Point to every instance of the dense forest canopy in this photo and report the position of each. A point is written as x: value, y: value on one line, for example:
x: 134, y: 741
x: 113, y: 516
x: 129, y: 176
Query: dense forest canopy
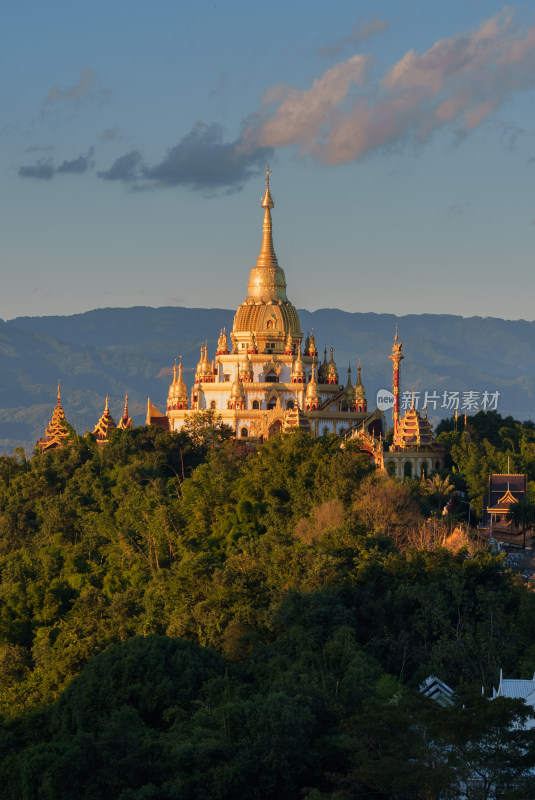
x: 182, y: 616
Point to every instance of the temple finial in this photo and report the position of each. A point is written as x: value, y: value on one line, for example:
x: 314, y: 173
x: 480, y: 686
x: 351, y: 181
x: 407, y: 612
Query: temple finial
x: 267, y: 256
x: 267, y: 200
x: 396, y: 336
x: 107, y: 406
x: 59, y: 395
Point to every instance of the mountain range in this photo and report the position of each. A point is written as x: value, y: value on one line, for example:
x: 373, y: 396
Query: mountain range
x: 113, y: 351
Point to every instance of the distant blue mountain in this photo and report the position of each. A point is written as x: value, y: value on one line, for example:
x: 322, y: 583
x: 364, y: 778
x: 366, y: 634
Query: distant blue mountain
x: 117, y: 350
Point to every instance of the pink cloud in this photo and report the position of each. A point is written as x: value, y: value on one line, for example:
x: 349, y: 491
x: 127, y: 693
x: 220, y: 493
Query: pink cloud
x: 458, y: 81
x: 301, y: 114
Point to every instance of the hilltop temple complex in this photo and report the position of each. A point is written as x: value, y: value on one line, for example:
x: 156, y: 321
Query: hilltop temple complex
x: 264, y: 379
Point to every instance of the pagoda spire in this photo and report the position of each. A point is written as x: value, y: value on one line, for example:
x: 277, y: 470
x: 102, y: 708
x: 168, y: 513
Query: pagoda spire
x: 125, y: 422
x: 57, y: 430
x: 396, y: 357
x: 267, y: 257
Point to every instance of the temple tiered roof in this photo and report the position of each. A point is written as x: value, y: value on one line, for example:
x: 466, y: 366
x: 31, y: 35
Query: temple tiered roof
x: 57, y: 430
x: 413, y: 431
x: 104, y: 426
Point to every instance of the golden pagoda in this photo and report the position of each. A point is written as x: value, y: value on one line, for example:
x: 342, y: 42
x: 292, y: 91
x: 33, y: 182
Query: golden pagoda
x: 177, y: 398
x: 125, y: 423
x: 57, y: 430
x: 414, y: 430
x: 261, y: 379
x: 104, y: 426
x: 266, y: 309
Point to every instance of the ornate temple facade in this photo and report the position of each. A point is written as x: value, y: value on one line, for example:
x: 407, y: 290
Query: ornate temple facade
x: 265, y: 376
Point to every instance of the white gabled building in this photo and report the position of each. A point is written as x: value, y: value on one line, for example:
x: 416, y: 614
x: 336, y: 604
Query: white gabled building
x: 518, y: 689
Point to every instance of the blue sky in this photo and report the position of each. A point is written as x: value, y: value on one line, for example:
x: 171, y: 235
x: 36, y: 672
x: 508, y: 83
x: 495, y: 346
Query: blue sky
x: 135, y: 136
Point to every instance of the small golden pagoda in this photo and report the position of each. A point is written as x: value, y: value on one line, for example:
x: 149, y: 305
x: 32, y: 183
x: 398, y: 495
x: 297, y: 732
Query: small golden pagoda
x: 104, y: 426
x: 125, y: 423
x: 57, y: 430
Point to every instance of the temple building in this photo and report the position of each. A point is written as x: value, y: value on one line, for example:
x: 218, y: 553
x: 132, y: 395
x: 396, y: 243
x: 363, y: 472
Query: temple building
x: 265, y: 376
x: 414, y: 452
x: 57, y: 430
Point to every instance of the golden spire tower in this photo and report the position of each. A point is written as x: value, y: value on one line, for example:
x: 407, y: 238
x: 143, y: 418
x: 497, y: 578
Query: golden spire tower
x: 267, y: 280
x: 267, y: 311
x: 396, y: 357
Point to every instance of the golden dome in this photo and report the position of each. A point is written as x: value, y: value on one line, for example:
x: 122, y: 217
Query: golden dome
x: 207, y: 364
x: 177, y: 390
x: 238, y: 390
x: 360, y: 392
x: 312, y: 388
x: 246, y: 369
x: 332, y: 371
x: 298, y: 368
x: 204, y: 367
x: 267, y: 308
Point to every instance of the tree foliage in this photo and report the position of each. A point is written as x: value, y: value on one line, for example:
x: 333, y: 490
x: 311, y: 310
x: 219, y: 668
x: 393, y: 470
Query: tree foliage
x: 191, y: 618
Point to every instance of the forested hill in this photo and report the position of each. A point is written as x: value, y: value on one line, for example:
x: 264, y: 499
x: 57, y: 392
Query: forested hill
x: 182, y: 618
x: 114, y: 351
